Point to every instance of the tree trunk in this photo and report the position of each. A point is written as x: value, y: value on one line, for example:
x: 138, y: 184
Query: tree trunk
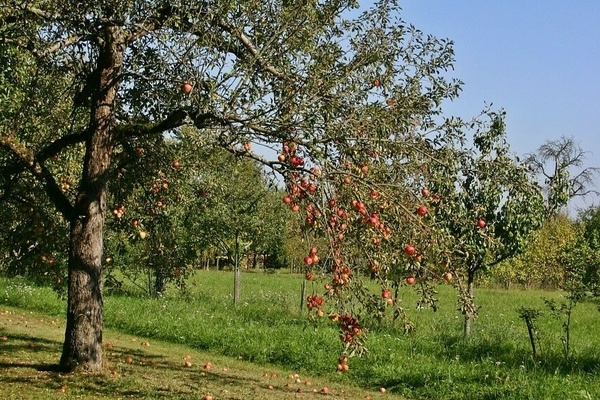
x: 160, y: 282
x: 237, y: 285
x: 469, y: 305
x: 83, y: 335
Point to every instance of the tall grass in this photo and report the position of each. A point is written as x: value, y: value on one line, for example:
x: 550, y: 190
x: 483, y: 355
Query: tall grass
x: 433, y: 363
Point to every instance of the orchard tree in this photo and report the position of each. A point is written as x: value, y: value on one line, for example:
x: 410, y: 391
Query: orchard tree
x: 559, y: 163
x: 583, y: 263
x: 274, y: 230
x: 230, y: 208
x: 351, y: 105
x: 31, y: 232
x: 149, y: 203
x: 489, y: 204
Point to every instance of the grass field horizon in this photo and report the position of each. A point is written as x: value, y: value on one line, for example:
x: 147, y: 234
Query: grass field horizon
x: 269, y: 329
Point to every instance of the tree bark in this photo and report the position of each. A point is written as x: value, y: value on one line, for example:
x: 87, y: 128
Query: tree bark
x: 160, y: 282
x: 83, y: 335
x: 237, y: 285
x: 469, y: 305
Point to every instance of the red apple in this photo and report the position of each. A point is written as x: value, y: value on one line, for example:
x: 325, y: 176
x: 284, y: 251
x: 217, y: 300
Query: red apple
x: 481, y: 223
x: 281, y: 158
x: 287, y: 200
x: 410, y: 280
x: 176, y: 164
x: 186, y: 88
x: 386, y: 294
x: 447, y: 276
x: 247, y: 146
x: 410, y: 250
x: 425, y: 192
x: 422, y: 210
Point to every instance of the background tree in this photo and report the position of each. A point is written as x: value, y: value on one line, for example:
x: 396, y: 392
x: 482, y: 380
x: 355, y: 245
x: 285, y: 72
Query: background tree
x: 559, y: 163
x: 583, y: 262
x: 149, y: 202
x: 542, y: 262
x: 489, y: 205
x: 233, y: 211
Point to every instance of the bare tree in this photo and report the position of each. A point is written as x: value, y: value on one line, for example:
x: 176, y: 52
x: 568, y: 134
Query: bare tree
x: 559, y: 163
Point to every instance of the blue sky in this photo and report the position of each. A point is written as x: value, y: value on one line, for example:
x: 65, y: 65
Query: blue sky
x: 539, y: 60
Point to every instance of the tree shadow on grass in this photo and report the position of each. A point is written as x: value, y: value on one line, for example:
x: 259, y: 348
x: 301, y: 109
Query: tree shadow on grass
x: 498, y: 350
x: 136, y: 373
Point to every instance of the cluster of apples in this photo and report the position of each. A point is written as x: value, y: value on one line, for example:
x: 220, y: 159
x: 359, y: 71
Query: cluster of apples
x: 297, y: 190
x: 337, y: 220
x: 340, y: 275
x: 350, y: 328
x: 312, y: 257
x: 343, y: 364
x: 312, y: 215
x: 314, y: 301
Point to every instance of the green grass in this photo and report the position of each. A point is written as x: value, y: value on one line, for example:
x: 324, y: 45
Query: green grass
x: 141, y: 369
x: 268, y: 328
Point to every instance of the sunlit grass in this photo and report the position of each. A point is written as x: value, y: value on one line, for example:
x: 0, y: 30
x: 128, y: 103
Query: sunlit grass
x: 268, y: 327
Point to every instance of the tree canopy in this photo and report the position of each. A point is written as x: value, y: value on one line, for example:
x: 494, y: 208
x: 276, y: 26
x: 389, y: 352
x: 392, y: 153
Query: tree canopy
x: 349, y: 100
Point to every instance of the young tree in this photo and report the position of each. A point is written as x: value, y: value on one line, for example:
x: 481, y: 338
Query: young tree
x: 230, y: 211
x: 352, y: 99
x: 489, y: 205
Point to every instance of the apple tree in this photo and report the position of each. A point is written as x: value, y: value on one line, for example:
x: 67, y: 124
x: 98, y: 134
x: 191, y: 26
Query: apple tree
x: 149, y: 200
x: 350, y: 100
x: 488, y: 203
x: 234, y: 210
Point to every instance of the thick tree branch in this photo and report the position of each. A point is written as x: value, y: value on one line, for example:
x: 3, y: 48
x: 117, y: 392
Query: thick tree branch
x: 53, y: 48
x: 176, y: 119
x: 40, y: 172
x: 60, y: 144
x: 40, y: 13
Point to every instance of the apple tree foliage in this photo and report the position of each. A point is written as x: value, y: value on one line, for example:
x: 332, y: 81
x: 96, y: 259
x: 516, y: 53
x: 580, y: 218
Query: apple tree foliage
x: 489, y: 205
x: 582, y: 263
x: 350, y: 100
x: 31, y: 231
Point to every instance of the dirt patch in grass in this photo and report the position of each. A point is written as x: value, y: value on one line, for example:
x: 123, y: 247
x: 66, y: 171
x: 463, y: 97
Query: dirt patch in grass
x: 137, y: 368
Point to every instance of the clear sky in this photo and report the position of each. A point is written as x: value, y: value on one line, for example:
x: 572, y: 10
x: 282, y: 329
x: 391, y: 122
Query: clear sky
x: 539, y: 60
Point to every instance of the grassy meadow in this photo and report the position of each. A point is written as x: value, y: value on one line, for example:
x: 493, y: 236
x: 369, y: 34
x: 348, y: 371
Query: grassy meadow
x: 269, y: 330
